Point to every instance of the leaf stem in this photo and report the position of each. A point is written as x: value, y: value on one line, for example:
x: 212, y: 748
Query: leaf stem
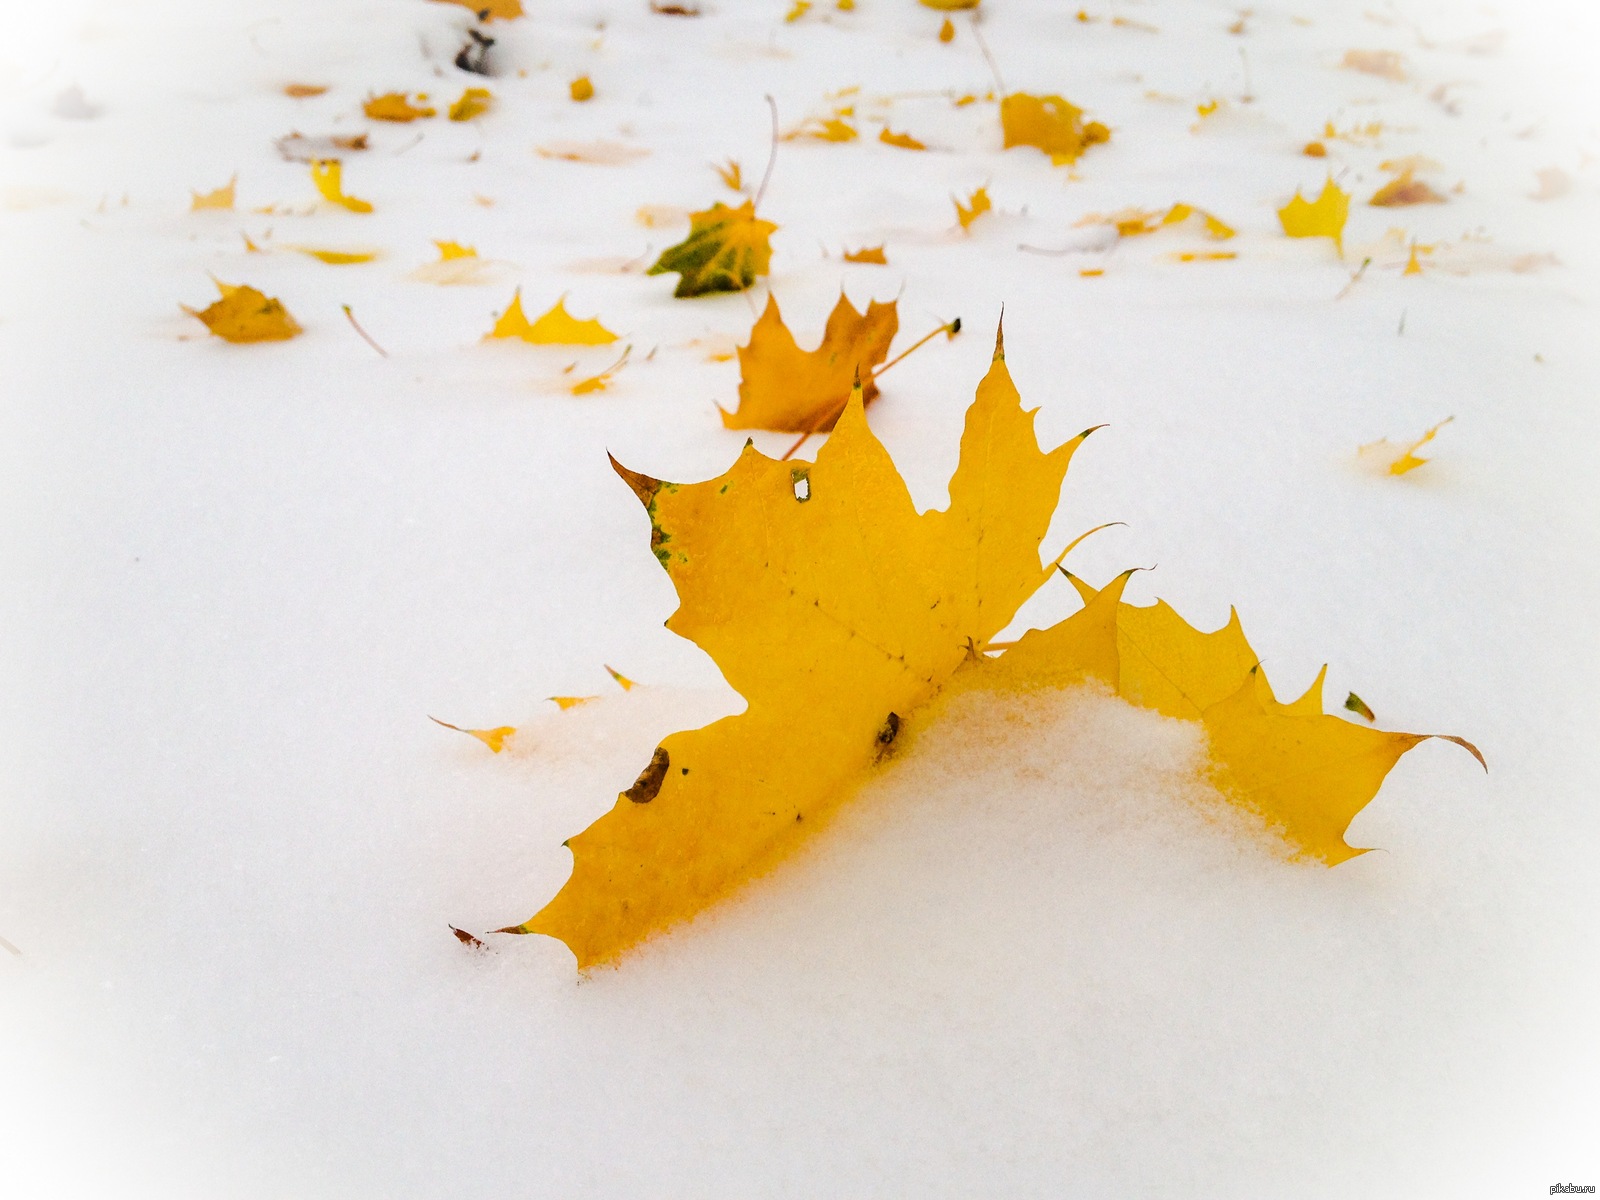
x: 994, y: 67
x: 365, y: 336
x: 772, y: 155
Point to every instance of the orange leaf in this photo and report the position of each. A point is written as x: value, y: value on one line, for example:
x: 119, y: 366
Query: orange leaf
x: 394, y: 106
x: 245, y: 315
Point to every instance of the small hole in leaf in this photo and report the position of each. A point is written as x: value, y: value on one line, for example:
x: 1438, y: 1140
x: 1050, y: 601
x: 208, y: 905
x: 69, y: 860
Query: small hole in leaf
x: 801, y: 476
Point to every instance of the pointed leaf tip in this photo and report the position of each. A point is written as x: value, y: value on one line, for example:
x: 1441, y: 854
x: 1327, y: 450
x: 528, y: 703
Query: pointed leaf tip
x: 643, y: 486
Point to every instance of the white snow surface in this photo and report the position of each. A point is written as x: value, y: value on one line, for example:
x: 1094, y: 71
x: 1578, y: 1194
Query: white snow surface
x: 1033, y: 957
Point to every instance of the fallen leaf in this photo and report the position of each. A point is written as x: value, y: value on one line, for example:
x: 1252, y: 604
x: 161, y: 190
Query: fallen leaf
x: 1358, y: 706
x: 731, y: 174
x: 1324, y: 217
x: 449, y: 251
x: 605, y: 154
x: 622, y: 680
x: 394, y: 106
x: 1404, y: 190
x: 328, y: 175
x: 675, y: 10
x: 949, y: 5
x: 785, y: 388
x: 1135, y: 222
x: 302, y: 91
x: 947, y: 31
x: 1050, y: 123
x: 1205, y: 255
x: 337, y: 258
x: 904, y: 140
x: 1384, y: 63
x: 495, y: 738
x: 581, y: 89
x: 245, y: 315
x: 490, y: 10
x: 222, y: 197
x: 799, y: 9
x: 836, y: 128
x: 1397, y: 458
x: 466, y: 939
x: 725, y: 250
x: 566, y: 702
x: 557, y: 327
x: 1315, y: 150
x: 867, y: 254
x: 474, y: 102
x: 297, y: 147
x: 977, y: 204
x: 599, y: 383
x: 838, y: 612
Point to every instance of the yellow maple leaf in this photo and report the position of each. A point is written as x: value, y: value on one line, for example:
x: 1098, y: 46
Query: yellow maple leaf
x: 453, y: 250
x: 557, y: 327
x: 566, y: 702
x: 904, y: 140
x: 1051, y: 123
x: 949, y: 5
x: 1323, y: 217
x: 245, y: 315
x: 838, y: 611
x: 490, y: 10
x: 835, y: 128
x: 328, y: 175
x: 395, y: 106
x: 731, y: 173
x: 222, y: 197
x: 977, y: 204
x: 622, y: 680
x: 867, y: 254
x: 1397, y: 458
x: 495, y: 738
x: 725, y: 250
x: 783, y: 387
x: 474, y: 102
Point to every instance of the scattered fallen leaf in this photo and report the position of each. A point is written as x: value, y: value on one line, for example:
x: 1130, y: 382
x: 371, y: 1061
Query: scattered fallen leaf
x: 1135, y: 222
x: 395, y: 106
x: 474, y: 102
x: 785, y: 388
x: 1092, y: 272
x: 490, y: 10
x: 1050, y: 123
x: 1370, y: 132
x: 731, y: 174
x: 581, y: 89
x: 1358, y: 706
x: 622, y: 680
x: 977, y: 204
x: 1553, y: 182
x: 675, y: 10
x: 297, y: 147
x: 799, y: 9
x: 302, y: 91
x: 1413, y: 263
x: 1323, y: 217
x: 1397, y: 458
x: 466, y: 939
x: 836, y: 128
x: 1315, y: 150
x: 222, y: 197
x: 602, y: 153
x: 947, y: 31
x: 566, y: 702
x: 1206, y: 109
x: 867, y: 254
x: 328, y: 175
x: 1384, y: 63
x: 725, y: 250
x: 599, y: 383
x: 949, y: 5
x: 839, y: 612
x: 249, y: 246
x: 245, y: 315
x: 454, y: 250
x: 557, y: 327
x: 1205, y: 255
x: 495, y: 738
x: 904, y: 140
x: 1403, y: 190
x: 337, y: 258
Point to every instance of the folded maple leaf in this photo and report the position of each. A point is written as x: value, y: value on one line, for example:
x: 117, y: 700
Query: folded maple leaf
x: 838, y: 611
x: 1051, y: 123
x: 725, y: 250
x: 246, y: 315
x: 785, y: 388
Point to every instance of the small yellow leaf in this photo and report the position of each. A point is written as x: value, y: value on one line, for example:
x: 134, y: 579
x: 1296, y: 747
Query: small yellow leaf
x: 977, y: 204
x: 327, y: 174
x: 221, y: 198
x: 1315, y: 150
x: 599, y: 383
x: 566, y: 702
x: 474, y: 102
x: 495, y: 738
x: 394, y: 106
x: 581, y: 89
x: 904, y: 140
x: 1205, y: 255
x: 1215, y: 228
x: 947, y: 31
x: 1206, y: 109
x: 800, y: 9
x: 245, y: 315
x: 300, y: 91
x: 249, y: 246
x: 1359, y: 706
x: 836, y: 128
x: 731, y: 174
x: 1398, y: 458
x: 1092, y: 272
x: 725, y: 250
x: 1404, y: 190
x: 337, y: 258
x: 949, y: 5
x: 453, y: 250
x: 490, y: 10
x: 1051, y: 124
x: 867, y: 254
x: 1324, y: 217
x: 623, y: 681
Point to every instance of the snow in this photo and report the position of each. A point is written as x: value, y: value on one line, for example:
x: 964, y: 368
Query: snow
x: 1033, y: 958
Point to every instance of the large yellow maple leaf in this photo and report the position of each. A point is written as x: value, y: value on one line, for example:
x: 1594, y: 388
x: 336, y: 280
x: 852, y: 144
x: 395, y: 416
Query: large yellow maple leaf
x: 786, y: 388
x: 244, y: 314
x: 725, y: 250
x: 838, y: 611
x: 1051, y: 123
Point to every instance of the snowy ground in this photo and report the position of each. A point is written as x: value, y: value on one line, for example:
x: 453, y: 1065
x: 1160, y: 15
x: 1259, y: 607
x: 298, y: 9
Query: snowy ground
x: 237, y: 580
